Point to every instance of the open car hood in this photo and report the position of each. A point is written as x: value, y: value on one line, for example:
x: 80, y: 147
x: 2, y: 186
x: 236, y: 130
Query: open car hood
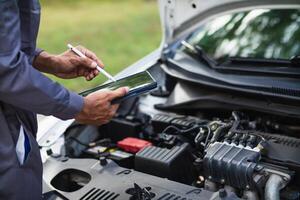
x: 179, y: 17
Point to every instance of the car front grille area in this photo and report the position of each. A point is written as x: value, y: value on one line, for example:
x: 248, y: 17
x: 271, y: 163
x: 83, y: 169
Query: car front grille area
x: 99, y: 194
x: 169, y: 196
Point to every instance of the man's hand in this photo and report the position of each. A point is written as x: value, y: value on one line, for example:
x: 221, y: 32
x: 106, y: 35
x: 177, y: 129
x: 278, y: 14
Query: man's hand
x: 97, y: 109
x: 68, y: 65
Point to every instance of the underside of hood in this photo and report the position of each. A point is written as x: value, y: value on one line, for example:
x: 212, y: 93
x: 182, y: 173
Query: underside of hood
x: 180, y: 17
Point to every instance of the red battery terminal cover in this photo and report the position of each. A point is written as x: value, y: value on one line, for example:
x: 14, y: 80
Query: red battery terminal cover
x: 133, y: 145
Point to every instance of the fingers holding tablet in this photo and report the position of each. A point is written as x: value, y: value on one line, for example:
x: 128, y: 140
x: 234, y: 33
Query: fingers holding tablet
x: 118, y: 93
x: 101, y: 103
x: 98, y: 108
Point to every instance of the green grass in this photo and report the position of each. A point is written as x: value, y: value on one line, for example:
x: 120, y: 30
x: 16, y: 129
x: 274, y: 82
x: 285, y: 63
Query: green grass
x: 119, y: 31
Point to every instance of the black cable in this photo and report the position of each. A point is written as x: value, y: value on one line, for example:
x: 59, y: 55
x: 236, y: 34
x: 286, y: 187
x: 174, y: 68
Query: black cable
x: 105, y: 142
x: 74, y: 125
x: 78, y: 141
x: 181, y: 131
x: 134, y: 105
x: 169, y: 127
x: 236, y: 116
x: 194, y: 128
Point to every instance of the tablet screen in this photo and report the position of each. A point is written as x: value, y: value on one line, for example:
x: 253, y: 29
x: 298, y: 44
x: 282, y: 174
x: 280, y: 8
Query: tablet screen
x: 134, y: 82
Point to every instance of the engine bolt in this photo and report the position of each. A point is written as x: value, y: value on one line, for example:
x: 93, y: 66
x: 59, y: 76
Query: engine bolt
x: 103, y: 161
x: 258, y: 167
x: 213, y: 127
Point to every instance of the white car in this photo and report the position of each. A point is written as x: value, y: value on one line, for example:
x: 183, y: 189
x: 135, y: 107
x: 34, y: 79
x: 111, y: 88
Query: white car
x: 224, y: 122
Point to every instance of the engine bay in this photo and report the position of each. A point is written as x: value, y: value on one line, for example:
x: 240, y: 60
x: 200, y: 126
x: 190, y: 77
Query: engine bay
x: 153, y: 152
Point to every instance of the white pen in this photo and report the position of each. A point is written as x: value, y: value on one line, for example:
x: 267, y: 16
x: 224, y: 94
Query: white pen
x: 80, y: 54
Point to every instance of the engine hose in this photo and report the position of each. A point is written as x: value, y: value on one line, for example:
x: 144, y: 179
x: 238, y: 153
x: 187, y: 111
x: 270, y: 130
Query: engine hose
x: 236, y: 116
x: 273, y: 186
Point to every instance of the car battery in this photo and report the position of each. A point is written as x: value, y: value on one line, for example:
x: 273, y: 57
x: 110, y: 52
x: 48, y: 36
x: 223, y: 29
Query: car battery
x: 122, y: 158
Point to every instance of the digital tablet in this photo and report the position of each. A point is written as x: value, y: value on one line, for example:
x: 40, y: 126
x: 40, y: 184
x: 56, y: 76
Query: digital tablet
x: 138, y: 83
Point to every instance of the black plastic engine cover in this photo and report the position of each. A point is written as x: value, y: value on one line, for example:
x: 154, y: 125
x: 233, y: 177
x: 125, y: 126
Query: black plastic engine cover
x: 111, y: 182
x: 231, y: 165
x: 174, y: 164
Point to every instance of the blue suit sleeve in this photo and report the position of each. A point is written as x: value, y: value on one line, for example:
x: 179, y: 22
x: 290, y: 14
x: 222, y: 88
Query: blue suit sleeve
x: 22, y: 85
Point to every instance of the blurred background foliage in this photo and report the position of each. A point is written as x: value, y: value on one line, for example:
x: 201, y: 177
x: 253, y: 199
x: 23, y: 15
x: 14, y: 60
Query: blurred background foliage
x: 119, y: 31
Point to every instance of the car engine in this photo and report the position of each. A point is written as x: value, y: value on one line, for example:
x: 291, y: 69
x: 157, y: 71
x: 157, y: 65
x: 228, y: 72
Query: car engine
x: 146, y: 153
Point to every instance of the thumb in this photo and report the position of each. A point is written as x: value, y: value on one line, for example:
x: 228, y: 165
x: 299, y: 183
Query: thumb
x: 120, y: 92
x: 88, y: 63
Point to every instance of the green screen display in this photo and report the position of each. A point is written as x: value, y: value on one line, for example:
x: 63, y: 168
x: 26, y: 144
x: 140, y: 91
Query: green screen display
x: 134, y: 82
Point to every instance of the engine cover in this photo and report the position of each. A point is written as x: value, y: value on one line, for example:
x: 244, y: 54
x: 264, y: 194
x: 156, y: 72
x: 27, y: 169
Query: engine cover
x: 231, y: 165
x: 174, y: 164
x: 111, y: 182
